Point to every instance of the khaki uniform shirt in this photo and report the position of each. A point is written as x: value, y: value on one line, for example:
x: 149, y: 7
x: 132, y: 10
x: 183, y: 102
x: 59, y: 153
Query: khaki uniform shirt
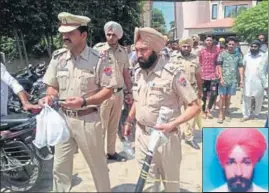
x: 188, y: 64
x: 166, y: 86
x: 118, y: 58
x: 81, y: 76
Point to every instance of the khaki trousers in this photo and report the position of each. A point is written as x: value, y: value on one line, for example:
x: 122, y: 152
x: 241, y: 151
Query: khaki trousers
x: 110, y: 117
x: 165, y: 164
x: 188, y: 127
x: 86, y: 134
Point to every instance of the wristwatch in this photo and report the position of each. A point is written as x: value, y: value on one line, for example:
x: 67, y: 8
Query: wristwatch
x: 128, y: 92
x: 84, y: 104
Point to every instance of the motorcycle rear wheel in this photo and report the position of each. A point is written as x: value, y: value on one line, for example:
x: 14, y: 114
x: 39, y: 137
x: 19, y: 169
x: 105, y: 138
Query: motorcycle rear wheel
x: 19, y: 180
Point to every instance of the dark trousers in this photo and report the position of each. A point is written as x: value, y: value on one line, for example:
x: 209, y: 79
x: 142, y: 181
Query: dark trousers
x: 212, y: 87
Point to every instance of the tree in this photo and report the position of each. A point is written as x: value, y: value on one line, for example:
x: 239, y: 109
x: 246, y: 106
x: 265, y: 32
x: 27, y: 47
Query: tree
x: 252, y: 21
x: 172, y: 24
x: 171, y: 32
x: 33, y: 25
x: 158, y: 21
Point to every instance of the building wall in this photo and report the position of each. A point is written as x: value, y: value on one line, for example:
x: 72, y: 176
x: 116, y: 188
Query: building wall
x: 146, y: 17
x: 188, y: 14
x: 221, y: 6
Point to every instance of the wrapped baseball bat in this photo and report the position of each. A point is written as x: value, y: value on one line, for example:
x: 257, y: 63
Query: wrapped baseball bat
x: 157, y: 138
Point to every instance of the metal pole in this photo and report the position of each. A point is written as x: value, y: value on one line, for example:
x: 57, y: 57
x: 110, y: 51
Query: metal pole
x: 175, y: 18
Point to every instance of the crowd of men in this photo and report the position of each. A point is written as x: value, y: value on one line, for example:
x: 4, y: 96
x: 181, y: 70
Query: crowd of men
x: 216, y: 69
x: 223, y: 67
x: 93, y: 82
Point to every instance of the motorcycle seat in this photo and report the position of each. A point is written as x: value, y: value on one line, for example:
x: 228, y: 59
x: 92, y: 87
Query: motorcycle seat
x: 12, y: 120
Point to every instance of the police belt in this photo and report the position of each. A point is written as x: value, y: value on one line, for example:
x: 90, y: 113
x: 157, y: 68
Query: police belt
x: 78, y: 113
x: 116, y: 90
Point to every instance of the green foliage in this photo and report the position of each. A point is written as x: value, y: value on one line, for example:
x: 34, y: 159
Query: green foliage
x: 158, y: 21
x: 38, y: 23
x: 8, y: 46
x: 172, y: 24
x: 253, y: 21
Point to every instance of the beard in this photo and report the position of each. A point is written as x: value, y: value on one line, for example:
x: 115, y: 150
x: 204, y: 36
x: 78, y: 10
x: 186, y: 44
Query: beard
x: 243, y: 186
x: 254, y: 52
x: 185, y: 53
x: 146, y: 64
x: 195, y: 43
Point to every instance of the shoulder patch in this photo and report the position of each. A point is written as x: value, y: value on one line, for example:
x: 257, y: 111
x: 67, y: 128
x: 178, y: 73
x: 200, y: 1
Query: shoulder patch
x: 172, y: 68
x: 58, y: 52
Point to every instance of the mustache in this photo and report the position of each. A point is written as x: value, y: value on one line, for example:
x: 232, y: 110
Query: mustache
x: 237, y: 178
x: 67, y: 40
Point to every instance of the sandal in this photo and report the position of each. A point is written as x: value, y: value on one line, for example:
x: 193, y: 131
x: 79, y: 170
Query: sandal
x: 220, y: 121
x: 209, y: 115
x: 244, y: 119
x: 116, y: 157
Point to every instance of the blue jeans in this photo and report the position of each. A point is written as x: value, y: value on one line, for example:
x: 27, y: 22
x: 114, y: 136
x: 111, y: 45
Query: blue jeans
x: 227, y: 89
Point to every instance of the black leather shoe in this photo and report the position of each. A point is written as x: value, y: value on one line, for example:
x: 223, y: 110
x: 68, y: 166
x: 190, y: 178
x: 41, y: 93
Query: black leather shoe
x: 116, y: 157
x: 193, y: 144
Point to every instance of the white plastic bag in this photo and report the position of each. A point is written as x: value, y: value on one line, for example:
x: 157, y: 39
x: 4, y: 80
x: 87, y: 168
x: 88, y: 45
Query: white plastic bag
x: 53, y: 128
x: 41, y: 130
x: 57, y: 130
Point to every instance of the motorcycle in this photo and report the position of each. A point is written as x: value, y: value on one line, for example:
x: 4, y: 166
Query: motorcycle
x: 21, y: 162
x: 31, y: 73
x: 31, y: 80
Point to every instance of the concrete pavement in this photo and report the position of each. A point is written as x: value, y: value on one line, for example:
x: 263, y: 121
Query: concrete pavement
x: 124, y: 175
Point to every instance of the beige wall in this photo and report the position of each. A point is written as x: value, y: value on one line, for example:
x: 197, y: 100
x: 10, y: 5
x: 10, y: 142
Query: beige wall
x: 146, y: 17
x: 188, y: 14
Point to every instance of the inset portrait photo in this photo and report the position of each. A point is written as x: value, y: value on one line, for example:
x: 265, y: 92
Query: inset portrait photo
x: 235, y: 159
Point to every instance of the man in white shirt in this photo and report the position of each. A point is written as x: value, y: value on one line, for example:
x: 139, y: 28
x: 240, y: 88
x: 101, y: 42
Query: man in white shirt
x: 238, y: 151
x: 255, y: 81
x: 8, y: 81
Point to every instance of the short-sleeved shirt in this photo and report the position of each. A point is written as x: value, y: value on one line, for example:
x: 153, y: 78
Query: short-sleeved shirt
x: 84, y: 75
x: 207, y: 61
x: 188, y: 64
x: 118, y: 58
x: 230, y: 62
x: 165, y: 86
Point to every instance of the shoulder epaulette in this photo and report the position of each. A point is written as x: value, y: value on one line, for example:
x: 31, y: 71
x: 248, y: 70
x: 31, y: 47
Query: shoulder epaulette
x: 136, y: 67
x: 99, y: 45
x: 94, y: 52
x: 171, y: 68
x: 122, y: 48
x: 58, y: 52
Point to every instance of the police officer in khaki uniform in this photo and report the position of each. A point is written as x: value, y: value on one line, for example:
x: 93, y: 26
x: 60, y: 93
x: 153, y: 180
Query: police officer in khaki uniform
x: 159, y: 83
x: 111, y: 108
x: 188, y: 63
x: 83, y: 79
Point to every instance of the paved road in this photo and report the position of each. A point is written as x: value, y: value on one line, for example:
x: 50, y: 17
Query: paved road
x: 124, y: 175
